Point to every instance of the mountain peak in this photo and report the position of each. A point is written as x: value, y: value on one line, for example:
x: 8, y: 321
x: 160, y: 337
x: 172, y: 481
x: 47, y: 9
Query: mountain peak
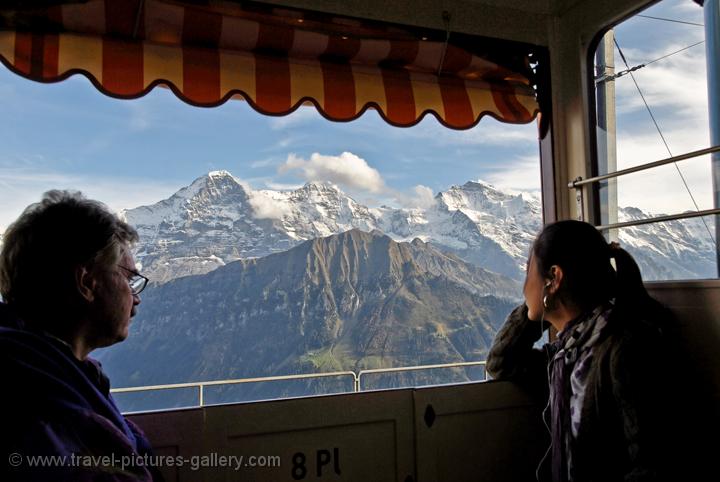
x: 319, y: 191
x: 216, y: 182
x: 478, y: 184
x: 483, y: 196
x: 356, y: 234
x: 320, y: 186
x: 221, y: 174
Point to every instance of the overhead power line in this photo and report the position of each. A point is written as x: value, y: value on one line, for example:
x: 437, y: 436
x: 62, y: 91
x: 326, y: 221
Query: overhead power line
x: 671, y: 20
x: 608, y: 78
x: 676, y: 52
x: 657, y: 126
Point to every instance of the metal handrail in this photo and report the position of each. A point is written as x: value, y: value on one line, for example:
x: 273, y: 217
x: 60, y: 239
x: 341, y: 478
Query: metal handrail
x: 578, y: 184
x: 659, y: 219
x: 201, y: 385
x: 690, y: 155
x: 417, y: 367
x: 356, y: 379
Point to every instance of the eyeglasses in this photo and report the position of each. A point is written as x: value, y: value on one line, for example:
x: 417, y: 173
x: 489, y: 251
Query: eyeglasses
x: 137, y: 281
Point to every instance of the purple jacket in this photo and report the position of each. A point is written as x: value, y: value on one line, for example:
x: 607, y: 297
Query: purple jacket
x: 53, y: 404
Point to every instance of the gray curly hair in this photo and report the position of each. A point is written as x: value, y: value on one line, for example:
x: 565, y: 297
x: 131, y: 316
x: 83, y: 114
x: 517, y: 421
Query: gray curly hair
x: 44, y: 246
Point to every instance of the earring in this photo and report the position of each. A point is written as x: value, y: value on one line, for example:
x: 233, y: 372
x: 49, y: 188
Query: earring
x: 545, y: 295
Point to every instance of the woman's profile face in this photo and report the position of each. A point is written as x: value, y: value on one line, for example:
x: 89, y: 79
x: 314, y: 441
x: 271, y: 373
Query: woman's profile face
x: 533, y: 289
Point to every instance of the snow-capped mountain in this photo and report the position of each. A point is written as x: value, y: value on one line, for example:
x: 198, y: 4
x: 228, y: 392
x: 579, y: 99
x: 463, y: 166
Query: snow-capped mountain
x: 476, y: 221
x: 316, y: 210
x: 199, y: 228
x: 218, y: 219
x: 683, y: 249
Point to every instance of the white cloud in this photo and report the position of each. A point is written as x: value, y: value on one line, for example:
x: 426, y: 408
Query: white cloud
x: 353, y: 174
x: 20, y: 187
x: 303, y: 115
x: 520, y: 174
x: 347, y: 170
x: 263, y: 163
x: 643, y: 144
x: 689, y: 7
x: 286, y: 142
x: 661, y: 190
x: 278, y: 186
x: 265, y: 207
x: 424, y: 196
x: 420, y: 197
x: 678, y: 83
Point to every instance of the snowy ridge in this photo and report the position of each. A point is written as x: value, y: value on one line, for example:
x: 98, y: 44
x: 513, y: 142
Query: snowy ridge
x: 680, y: 249
x: 217, y: 219
x: 319, y: 209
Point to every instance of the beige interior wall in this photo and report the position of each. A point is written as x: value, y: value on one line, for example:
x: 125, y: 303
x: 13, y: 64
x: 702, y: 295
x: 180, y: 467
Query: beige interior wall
x: 479, y: 431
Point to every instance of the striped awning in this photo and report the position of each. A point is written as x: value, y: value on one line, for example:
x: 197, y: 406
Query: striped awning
x: 274, y: 58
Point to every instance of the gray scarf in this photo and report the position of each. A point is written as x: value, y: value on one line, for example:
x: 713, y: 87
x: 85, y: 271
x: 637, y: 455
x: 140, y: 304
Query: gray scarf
x: 568, y: 370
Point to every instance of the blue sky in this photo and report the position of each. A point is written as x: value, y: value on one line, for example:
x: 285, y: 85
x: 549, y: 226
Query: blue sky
x: 131, y: 153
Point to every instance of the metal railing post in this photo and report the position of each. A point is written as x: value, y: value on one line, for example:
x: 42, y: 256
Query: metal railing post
x: 580, y: 202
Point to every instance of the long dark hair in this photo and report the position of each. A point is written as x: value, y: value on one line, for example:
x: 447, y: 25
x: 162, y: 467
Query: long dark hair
x: 588, y: 276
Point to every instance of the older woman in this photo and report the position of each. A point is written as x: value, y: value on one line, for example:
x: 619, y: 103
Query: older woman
x: 607, y: 411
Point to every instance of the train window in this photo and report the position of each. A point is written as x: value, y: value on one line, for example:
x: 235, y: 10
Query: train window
x: 651, y: 105
x: 284, y: 246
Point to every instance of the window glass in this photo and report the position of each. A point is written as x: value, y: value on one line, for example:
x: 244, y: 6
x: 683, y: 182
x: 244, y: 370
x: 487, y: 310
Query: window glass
x: 290, y: 245
x: 651, y: 103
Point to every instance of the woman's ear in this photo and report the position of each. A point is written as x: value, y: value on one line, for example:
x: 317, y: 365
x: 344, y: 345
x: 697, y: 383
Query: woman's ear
x: 85, y: 283
x: 555, y: 277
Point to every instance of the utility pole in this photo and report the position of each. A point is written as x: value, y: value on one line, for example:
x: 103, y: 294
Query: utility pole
x: 712, y: 55
x: 606, y: 141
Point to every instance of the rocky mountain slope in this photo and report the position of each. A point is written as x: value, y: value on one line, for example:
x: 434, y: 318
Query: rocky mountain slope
x: 351, y: 301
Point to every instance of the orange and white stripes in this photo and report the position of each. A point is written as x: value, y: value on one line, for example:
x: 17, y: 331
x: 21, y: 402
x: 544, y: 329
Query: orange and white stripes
x: 208, y: 56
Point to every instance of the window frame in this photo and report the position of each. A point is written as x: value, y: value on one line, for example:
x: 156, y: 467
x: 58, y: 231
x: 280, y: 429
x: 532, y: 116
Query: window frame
x: 592, y: 195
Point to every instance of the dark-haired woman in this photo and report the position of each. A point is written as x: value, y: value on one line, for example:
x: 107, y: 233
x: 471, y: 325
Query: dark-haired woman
x: 603, y: 377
